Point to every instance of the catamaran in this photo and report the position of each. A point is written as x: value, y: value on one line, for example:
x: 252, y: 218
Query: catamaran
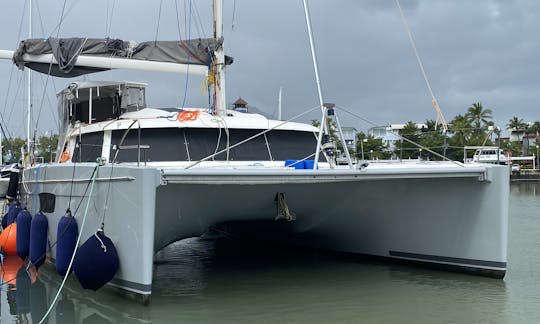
x: 165, y: 174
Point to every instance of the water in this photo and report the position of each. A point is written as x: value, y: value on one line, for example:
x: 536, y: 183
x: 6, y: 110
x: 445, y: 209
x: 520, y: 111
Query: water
x: 228, y: 282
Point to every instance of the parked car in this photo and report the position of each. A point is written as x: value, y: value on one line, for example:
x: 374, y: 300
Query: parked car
x: 515, y: 168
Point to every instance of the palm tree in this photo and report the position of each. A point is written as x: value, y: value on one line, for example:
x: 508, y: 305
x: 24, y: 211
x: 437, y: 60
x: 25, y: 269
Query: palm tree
x: 478, y: 116
x: 516, y: 124
x: 534, y: 128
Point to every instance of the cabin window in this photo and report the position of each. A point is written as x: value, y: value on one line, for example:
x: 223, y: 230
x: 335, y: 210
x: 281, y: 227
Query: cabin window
x: 88, y: 147
x: 156, y: 144
x: 287, y: 144
x: 172, y: 144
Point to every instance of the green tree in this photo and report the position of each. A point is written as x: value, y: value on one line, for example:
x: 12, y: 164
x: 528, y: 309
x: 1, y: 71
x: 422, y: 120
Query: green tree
x: 433, y: 139
x: 372, y: 147
x: 12, y: 149
x: 461, y: 132
x: 46, y: 147
x: 405, y: 149
x: 516, y: 124
x: 480, y: 118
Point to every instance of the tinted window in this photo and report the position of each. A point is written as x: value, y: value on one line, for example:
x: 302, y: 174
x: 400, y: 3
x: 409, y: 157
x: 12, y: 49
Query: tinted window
x: 88, y: 148
x: 287, y: 145
x: 164, y: 144
x: 169, y: 144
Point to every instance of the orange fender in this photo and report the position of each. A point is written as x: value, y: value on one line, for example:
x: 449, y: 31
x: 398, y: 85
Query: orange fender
x: 8, y: 240
x: 10, y: 267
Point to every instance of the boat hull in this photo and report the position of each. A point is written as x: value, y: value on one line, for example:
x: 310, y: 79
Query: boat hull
x: 451, y: 215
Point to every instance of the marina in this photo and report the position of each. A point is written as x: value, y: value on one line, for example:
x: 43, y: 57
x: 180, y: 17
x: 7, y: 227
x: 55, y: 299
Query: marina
x: 129, y: 179
x: 155, y: 204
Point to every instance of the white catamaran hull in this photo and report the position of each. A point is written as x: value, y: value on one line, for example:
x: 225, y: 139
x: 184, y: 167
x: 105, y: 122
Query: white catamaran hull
x: 436, y: 213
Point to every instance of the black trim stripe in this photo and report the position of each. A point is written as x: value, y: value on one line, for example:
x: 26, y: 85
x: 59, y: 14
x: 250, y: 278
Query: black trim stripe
x: 438, y: 258
x: 141, y: 288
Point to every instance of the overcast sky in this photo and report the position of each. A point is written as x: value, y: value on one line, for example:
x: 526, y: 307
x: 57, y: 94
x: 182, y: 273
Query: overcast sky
x: 484, y: 51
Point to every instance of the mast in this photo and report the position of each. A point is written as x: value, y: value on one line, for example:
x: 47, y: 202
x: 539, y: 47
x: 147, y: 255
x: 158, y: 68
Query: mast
x: 29, y: 89
x: 219, y: 64
x: 327, y: 109
x: 279, y: 103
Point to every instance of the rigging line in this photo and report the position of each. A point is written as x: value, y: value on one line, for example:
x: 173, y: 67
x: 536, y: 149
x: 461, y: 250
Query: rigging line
x: 50, y: 68
x: 111, y: 18
x: 252, y: 137
x: 63, y: 16
x: 76, y: 245
x: 17, y: 91
x: 185, y: 17
x: 158, y: 21
x: 178, y: 19
x: 107, y: 19
x: 404, y: 138
x: 200, y: 27
x: 413, y: 45
x: 12, y: 67
x: 47, y: 81
x: 6, y: 100
x: 39, y: 17
x: 188, y: 55
x: 233, y: 15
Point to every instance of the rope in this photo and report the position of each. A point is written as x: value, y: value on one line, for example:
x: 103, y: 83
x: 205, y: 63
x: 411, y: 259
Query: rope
x: 98, y: 164
x: 434, y: 101
x: 283, y: 209
x: 107, y: 197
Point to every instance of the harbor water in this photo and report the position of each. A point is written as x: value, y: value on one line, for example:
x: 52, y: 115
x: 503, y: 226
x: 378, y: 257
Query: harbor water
x: 227, y: 281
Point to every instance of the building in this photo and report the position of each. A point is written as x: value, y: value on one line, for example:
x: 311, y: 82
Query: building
x: 349, y: 133
x: 240, y: 105
x: 388, y: 133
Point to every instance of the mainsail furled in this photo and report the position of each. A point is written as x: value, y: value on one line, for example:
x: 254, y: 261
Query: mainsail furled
x: 71, y: 57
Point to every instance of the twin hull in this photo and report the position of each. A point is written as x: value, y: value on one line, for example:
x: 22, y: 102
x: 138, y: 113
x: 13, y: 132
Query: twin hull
x: 453, y: 215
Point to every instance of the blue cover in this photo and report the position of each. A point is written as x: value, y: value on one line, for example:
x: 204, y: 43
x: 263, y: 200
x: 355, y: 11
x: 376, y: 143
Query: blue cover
x: 65, y: 242
x: 94, y: 264
x: 12, y: 213
x: 38, y: 239
x: 24, y: 221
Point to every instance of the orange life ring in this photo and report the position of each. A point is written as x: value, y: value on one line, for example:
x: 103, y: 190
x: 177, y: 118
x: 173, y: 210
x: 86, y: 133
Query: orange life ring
x: 64, y: 157
x: 188, y: 115
x: 8, y: 240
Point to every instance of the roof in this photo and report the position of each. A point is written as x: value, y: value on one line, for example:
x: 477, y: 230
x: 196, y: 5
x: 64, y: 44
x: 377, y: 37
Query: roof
x: 240, y: 101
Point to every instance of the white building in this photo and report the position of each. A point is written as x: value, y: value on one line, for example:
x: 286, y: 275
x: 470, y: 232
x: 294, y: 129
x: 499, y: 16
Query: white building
x: 388, y: 133
x: 349, y: 133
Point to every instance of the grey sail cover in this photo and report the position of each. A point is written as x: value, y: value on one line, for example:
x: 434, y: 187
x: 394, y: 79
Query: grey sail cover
x: 66, y: 51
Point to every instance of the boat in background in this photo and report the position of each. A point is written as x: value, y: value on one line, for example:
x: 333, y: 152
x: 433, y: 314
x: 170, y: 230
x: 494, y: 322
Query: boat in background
x: 159, y: 175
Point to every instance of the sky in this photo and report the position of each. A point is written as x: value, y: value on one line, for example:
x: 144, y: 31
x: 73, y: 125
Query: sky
x: 483, y: 51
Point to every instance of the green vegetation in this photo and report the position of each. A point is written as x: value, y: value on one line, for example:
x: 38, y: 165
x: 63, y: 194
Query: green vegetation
x: 473, y: 128
x: 44, y: 151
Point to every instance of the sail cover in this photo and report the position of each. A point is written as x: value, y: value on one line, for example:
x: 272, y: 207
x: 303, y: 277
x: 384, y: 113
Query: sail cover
x: 66, y: 51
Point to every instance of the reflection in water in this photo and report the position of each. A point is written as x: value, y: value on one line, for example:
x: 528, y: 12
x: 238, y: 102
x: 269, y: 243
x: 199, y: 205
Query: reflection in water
x: 531, y: 188
x: 231, y: 281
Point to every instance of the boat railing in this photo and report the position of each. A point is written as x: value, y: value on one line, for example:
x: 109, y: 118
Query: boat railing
x: 141, y: 148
